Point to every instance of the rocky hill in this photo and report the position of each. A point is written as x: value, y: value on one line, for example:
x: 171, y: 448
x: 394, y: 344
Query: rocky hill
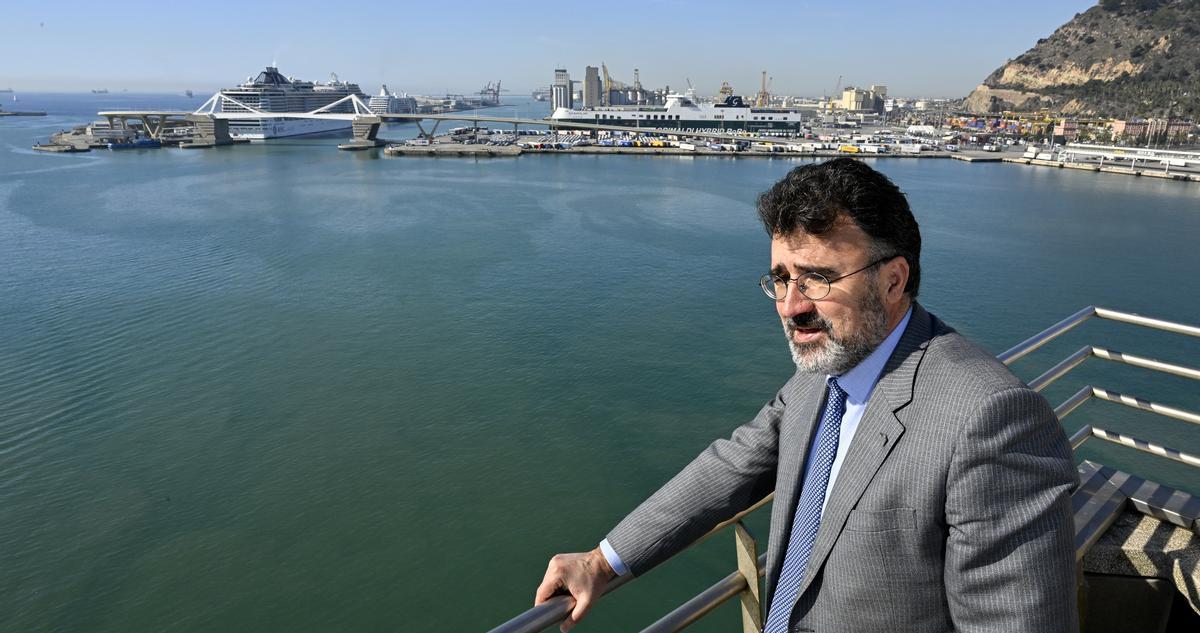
x: 1120, y: 58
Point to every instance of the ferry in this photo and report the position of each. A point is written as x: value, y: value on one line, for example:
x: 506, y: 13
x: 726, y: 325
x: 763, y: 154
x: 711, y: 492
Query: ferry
x: 271, y: 91
x: 685, y: 113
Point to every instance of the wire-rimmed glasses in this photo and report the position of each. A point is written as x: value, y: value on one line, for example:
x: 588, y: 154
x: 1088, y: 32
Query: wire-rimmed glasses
x: 814, y: 286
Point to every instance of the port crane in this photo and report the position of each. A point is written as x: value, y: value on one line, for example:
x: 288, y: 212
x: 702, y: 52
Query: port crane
x: 491, y: 93
x: 763, y: 98
x: 610, y: 84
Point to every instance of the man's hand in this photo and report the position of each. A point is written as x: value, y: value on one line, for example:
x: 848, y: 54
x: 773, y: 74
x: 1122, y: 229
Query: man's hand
x: 583, y: 576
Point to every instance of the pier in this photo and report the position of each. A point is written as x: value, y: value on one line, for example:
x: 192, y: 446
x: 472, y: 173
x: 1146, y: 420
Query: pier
x: 1130, y: 161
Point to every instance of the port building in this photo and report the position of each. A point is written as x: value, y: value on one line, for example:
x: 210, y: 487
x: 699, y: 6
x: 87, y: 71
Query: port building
x: 561, y: 94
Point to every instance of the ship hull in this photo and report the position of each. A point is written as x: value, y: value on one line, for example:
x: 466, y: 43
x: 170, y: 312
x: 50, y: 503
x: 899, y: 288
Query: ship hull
x: 711, y: 127
x: 262, y: 129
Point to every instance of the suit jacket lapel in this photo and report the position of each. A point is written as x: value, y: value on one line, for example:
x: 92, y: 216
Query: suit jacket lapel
x: 878, y: 431
x: 795, y: 432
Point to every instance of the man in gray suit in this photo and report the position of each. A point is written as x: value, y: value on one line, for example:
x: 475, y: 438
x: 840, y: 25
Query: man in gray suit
x: 919, y: 485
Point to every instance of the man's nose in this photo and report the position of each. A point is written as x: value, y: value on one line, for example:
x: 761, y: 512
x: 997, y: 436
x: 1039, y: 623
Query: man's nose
x: 794, y: 303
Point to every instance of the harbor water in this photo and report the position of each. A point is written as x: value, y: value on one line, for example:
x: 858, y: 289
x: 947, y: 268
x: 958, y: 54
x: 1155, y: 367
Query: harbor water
x: 278, y: 387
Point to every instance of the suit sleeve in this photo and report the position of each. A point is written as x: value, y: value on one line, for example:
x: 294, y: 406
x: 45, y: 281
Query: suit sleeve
x: 729, y: 476
x: 1010, y: 558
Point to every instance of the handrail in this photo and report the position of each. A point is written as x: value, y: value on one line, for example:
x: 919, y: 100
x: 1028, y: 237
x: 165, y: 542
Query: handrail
x: 1158, y: 324
x: 1088, y: 392
x: 557, y: 608
x: 1032, y: 343
x: 1145, y: 446
x: 1045, y: 336
x: 704, y: 602
x: 1088, y: 351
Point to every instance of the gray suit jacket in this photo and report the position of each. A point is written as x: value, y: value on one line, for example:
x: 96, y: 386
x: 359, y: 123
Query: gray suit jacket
x: 951, y: 511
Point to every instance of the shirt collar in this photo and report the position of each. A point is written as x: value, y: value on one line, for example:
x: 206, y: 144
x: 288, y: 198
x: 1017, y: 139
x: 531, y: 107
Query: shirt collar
x: 860, y: 380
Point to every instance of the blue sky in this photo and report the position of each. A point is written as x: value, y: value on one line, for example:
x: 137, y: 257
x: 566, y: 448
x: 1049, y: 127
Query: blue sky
x: 916, y: 48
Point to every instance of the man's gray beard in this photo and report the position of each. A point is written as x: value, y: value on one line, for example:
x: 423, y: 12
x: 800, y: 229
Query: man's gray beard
x: 836, y: 356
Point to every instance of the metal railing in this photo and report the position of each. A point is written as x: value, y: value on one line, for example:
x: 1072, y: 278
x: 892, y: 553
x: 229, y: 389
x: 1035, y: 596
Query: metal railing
x: 750, y: 563
x: 1088, y: 391
x: 557, y: 609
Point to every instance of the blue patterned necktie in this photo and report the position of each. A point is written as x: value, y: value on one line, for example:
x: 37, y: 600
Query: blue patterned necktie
x: 808, y: 511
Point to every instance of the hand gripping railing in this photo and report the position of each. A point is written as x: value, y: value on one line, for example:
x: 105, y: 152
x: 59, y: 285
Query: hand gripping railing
x: 750, y: 564
x: 556, y: 609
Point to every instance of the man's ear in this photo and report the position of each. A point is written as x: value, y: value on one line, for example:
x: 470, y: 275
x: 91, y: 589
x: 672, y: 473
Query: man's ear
x: 895, y: 275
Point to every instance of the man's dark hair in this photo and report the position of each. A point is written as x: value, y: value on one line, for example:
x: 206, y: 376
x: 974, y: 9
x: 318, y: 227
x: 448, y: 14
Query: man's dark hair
x: 812, y: 197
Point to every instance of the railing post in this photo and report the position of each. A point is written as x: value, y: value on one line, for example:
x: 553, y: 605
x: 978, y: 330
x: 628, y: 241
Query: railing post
x: 747, y: 556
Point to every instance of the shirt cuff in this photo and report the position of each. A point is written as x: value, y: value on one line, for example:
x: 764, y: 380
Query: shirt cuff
x: 613, y: 559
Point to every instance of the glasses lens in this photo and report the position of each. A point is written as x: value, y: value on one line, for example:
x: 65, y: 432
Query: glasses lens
x: 813, y: 286
x: 773, y: 286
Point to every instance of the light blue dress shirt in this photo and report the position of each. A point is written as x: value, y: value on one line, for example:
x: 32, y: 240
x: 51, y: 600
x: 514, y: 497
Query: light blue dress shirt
x: 858, y: 383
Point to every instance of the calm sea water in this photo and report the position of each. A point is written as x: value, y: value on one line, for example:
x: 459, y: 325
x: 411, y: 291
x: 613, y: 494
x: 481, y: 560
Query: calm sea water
x: 279, y: 387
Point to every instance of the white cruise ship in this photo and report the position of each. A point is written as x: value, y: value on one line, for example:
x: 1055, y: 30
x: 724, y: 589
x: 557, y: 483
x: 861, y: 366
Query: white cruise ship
x: 683, y: 112
x: 270, y: 91
x: 391, y: 103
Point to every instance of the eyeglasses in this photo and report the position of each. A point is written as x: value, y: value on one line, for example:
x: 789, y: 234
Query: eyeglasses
x: 814, y: 286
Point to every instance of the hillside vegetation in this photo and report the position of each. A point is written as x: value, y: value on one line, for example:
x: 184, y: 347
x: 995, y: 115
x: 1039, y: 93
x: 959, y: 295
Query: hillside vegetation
x: 1120, y: 58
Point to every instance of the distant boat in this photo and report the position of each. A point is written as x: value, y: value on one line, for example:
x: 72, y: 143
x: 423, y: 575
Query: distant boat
x: 102, y: 91
x: 188, y: 93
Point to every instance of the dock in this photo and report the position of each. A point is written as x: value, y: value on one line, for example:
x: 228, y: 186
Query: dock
x: 453, y: 150
x: 1165, y: 174
x: 60, y: 148
x: 977, y: 157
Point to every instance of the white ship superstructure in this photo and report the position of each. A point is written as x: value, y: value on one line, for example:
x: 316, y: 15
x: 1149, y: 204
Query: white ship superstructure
x: 683, y: 112
x: 270, y: 91
x: 391, y: 103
